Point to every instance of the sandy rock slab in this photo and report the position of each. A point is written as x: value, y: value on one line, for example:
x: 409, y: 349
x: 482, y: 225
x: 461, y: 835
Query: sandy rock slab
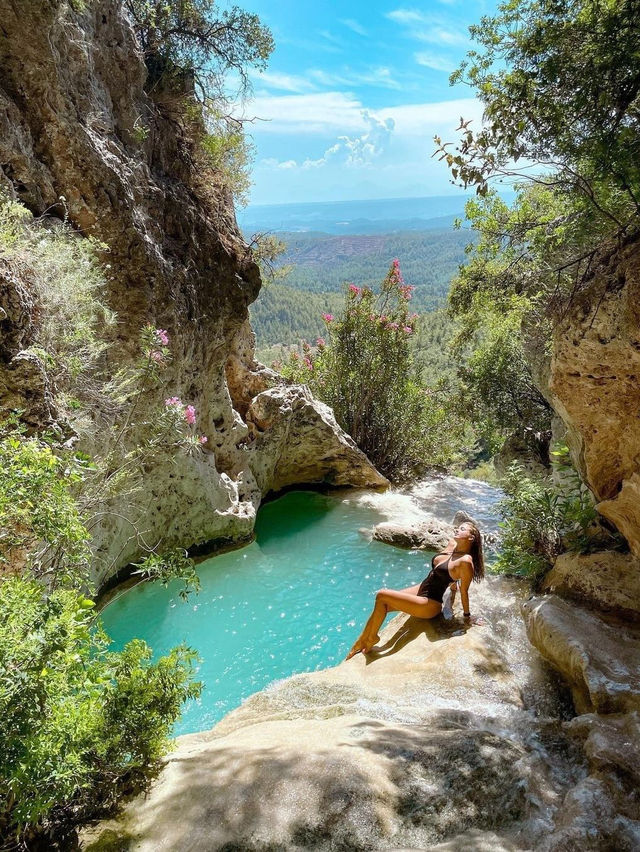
x: 342, y: 783
x: 424, y: 744
x: 600, y: 660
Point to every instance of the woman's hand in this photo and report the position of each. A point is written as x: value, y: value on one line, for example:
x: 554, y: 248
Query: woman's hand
x: 474, y: 619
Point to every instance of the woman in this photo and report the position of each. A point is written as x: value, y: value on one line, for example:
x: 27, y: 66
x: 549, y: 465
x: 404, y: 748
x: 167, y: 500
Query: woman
x: 460, y: 562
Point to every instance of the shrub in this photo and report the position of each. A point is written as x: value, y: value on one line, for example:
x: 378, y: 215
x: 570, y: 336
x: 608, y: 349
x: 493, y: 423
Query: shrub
x: 543, y: 518
x: 40, y: 524
x: 78, y: 724
x: 366, y: 373
x: 68, y: 283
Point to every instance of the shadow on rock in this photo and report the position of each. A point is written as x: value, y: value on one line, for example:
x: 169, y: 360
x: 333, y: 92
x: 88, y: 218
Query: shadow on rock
x: 433, y: 629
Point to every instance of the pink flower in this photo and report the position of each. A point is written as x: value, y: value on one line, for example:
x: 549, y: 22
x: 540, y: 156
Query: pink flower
x: 393, y: 325
x: 308, y: 364
x: 295, y: 356
x: 406, y: 290
x: 407, y: 329
x: 413, y: 316
x: 162, y: 336
x: 320, y: 342
x: 354, y: 289
x: 327, y: 317
x: 202, y: 439
x: 190, y: 415
x: 383, y: 318
x: 173, y: 402
x: 157, y: 356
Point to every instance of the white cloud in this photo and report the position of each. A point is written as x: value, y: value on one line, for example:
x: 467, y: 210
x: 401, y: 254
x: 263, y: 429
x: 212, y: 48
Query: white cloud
x: 336, y: 114
x: 380, y: 76
x: 431, y: 29
x: 285, y: 82
x: 359, y: 150
x: 354, y: 25
x: 328, y: 113
x: 435, y: 61
x: 424, y: 120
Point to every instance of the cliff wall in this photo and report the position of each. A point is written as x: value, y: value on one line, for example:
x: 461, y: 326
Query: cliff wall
x: 72, y: 105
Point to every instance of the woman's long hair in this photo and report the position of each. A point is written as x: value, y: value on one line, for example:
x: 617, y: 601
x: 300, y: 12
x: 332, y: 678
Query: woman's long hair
x: 476, y: 554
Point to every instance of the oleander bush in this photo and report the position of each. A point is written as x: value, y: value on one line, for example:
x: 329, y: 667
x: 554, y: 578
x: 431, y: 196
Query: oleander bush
x: 365, y: 370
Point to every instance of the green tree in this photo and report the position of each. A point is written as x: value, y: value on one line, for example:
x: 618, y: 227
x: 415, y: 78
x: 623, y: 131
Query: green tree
x: 366, y: 373
x: 196, y: 41
x: 560, y: 83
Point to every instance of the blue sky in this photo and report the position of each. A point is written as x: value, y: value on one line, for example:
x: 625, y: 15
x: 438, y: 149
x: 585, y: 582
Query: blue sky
x: 353, y: 95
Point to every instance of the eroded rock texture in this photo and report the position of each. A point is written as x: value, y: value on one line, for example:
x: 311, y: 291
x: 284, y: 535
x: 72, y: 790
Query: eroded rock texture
x: 72, y: 105
x: 594, y: 384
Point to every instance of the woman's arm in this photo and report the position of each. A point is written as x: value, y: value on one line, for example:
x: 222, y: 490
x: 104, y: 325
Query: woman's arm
x: 465, y: 578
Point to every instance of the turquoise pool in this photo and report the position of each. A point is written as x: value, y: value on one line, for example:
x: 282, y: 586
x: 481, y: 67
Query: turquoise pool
x: 292, y: 601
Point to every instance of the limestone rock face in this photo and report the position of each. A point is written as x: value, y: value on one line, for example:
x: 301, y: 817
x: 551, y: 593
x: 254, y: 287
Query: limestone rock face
x: 72, y: 103
x: 600, y: 661
x: 294, y: 438
x: 593, y: 385
x: 606, y: 581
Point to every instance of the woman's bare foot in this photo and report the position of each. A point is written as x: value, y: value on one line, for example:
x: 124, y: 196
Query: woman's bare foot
x: 362, y: 645
x: 370, y: 644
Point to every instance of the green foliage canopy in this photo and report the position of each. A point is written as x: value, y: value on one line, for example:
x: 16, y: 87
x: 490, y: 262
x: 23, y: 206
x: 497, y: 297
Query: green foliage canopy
x: 197, y: 39
x: 560, y: 82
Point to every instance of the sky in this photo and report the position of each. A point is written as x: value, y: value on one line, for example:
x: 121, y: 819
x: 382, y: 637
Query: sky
x: 354, y: 93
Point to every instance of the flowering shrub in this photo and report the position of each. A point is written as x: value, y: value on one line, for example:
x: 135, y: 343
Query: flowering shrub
x: 366, y: 373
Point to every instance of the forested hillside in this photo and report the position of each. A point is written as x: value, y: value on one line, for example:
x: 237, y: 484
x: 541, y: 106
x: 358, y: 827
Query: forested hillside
x: 322, y: 263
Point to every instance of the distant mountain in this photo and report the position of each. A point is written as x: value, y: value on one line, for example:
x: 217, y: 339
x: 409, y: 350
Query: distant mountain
x: 380, y: 216
x: 322, y: 263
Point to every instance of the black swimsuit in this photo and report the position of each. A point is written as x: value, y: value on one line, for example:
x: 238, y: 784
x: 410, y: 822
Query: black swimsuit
x: 435, y: 584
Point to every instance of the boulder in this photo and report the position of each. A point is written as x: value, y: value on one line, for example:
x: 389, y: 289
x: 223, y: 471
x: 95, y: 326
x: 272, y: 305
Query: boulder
x: 294, y: 438
x: 429, y: 535
x: 600, y: 660
x: 606, y: 580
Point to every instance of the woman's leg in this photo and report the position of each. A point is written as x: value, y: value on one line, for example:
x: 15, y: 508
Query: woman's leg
x: 388, y: 600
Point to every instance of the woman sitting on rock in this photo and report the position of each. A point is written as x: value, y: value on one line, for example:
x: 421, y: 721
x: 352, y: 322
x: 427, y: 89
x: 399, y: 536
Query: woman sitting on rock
x: 460, y: 562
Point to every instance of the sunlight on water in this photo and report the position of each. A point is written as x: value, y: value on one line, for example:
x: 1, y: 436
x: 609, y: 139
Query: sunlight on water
x: 294, y: 599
